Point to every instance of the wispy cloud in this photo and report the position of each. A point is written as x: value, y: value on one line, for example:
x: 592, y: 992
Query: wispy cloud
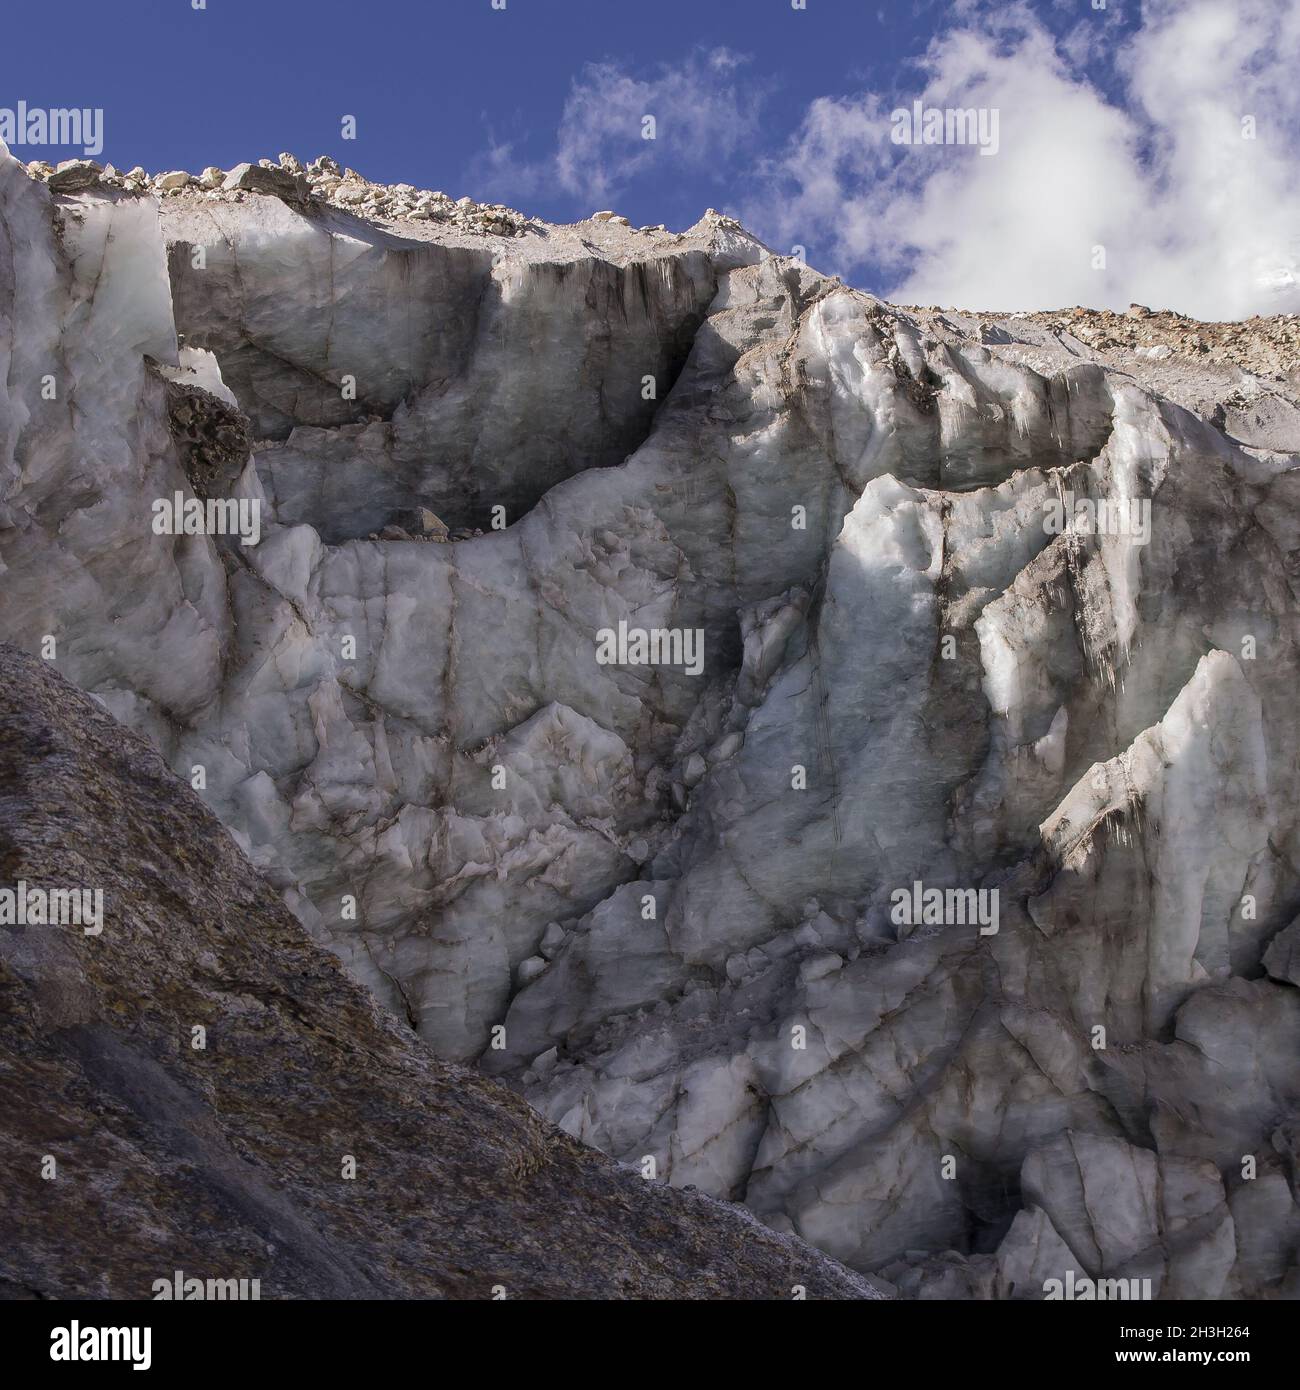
x: 702, y: 115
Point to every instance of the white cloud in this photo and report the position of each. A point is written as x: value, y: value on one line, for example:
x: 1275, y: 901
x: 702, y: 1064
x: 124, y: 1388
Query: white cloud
x: 1191, y: 215
x: 702, y: 111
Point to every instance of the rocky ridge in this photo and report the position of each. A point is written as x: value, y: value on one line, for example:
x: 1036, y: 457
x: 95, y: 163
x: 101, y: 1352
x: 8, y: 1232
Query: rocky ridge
x: 1244, y: 377
x: 322, y: 179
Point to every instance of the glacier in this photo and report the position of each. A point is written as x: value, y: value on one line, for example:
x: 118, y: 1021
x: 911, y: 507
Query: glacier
x: 657, y: 903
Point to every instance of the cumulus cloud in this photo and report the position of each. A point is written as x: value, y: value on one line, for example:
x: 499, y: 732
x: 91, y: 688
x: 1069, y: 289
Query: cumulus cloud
x: 702, y: 111
x: 1157, y: 195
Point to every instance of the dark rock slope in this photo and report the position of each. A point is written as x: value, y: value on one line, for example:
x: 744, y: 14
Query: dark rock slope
x: 227, y: 1161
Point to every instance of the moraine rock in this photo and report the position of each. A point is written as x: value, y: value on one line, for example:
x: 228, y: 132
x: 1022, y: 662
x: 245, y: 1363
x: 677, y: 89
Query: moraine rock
x: 74, y: 176
x: 263, y: 178
x: 202, y: 1074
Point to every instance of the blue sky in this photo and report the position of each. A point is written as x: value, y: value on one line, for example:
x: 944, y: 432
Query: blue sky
x: 1114, y: 116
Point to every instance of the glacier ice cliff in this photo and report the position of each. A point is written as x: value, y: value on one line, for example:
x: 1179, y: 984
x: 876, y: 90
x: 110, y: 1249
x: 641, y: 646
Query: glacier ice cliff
x: 664, y: 906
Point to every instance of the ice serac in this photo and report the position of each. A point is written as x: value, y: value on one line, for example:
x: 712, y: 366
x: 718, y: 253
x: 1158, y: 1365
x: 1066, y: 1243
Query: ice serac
x: 982, y: 610
x: 413, y: 369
